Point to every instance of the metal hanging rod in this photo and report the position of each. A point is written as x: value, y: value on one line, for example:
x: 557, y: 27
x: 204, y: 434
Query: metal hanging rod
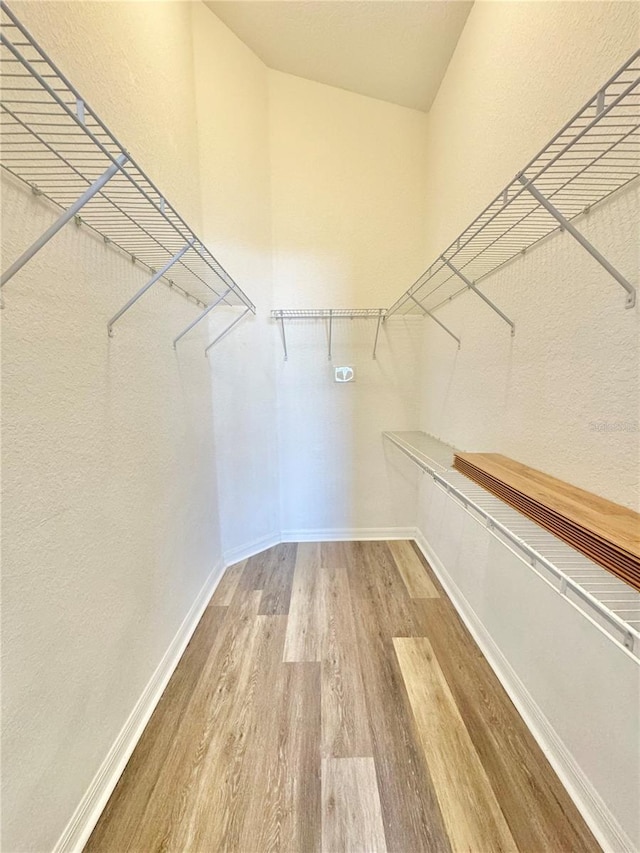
x: 329, y: 314
x: 55, y: 143
x: 595, y: 154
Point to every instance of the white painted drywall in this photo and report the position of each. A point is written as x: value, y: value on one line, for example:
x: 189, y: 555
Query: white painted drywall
x: 349, y: 206
x: 109, y: 521
x: 349, y: 195
x: 336, y: 475
x: 564, y: 394
x: 233, y: 138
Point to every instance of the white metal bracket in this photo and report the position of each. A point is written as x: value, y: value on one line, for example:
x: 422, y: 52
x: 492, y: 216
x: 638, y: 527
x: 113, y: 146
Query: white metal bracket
x: 226, y: 331
x: 479, y: 293
x: 150, y: 283
x: 375, y: 342
x: 435, y: 319
x: 62, y: 220
x: 568, y: 226
x: 201, y: 316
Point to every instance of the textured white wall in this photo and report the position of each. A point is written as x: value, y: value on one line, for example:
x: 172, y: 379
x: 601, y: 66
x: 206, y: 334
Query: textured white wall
x: 109, y: 507
x: 233, y: 136
x: 349, y: 195
x: 336, y: 475
x: 349, y: 203
x: 564, y: 394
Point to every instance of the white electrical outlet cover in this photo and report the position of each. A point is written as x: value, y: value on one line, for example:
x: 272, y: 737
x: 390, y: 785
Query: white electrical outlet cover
x: 344, y: 374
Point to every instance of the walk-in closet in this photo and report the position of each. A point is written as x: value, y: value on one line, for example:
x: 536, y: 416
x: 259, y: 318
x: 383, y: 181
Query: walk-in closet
x: 320, y: 372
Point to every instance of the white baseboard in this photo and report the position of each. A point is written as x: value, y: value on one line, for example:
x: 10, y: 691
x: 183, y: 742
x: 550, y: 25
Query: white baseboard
x: 607, y: 830
x: 85, y: 817
x: 248, y: 549
x: 348, y: 534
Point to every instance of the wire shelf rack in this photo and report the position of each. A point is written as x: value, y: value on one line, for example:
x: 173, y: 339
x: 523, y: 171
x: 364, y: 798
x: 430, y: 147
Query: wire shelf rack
x: 55, y: 143
x: 329, y: 314
x: 585, y: 583
x: 325, y: 313
x: 595, y: 154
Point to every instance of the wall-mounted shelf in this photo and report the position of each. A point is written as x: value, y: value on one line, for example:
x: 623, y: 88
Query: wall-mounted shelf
x: 596, y: 153
x: 328, y: 315
x: 54, y: 143
x: 610, y: 602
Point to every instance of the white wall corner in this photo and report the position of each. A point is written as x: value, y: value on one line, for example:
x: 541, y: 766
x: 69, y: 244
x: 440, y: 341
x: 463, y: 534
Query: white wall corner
x: 599, y: 818
x: 90, y: 807
x: 249, y: 549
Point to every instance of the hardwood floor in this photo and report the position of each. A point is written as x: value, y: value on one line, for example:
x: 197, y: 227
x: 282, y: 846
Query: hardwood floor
x: 331, y: 700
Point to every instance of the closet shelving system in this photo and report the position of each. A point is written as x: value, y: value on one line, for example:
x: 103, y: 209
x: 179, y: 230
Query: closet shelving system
x: 283, y: 316
x: 54, y: 143
x: 595, y: 154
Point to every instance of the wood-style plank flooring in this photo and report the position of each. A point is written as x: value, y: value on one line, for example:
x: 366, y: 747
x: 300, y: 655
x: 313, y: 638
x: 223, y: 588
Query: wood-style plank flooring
x: 332, y: 700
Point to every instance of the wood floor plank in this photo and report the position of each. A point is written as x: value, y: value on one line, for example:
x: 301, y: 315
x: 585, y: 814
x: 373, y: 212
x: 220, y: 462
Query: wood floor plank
x: 410, y: 811
x: 305, y: 624
x: 216, y: 800
x: 471, y: 812
x: 338, y: 555
x: 209, y: 710
x: 380, y: 582
x: 231, y: 759
x: 276, y: 593
x: 351, y: 813
x: 345, y: 721
x: 416, y: 580
x: 539, y: 811
x: 121, y: 816
x: 220, y: 810
x: 223, y: 596
x: 285, y: 809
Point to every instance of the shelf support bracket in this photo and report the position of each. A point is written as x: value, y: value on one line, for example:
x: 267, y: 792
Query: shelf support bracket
x: 62, y: 220
x: 201, y: 316
x: 568, y: 226
x: 284, y: 339
x: 375, y: 343
x: 435, y: 319
x: 479, y: 293
x: 227, y: 330
x: 150, y: 283
x: 330, y: 330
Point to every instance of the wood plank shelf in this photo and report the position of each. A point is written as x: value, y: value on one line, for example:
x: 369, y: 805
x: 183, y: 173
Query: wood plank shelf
x: 604, y: 531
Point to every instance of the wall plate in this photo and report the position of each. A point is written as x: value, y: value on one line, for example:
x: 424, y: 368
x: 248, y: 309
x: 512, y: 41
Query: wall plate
x: 344, y: 374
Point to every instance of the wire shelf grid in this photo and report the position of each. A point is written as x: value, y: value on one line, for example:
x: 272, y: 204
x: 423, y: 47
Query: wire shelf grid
x: 326, y: 313
x: 54, y: 142
x: 595, y: 154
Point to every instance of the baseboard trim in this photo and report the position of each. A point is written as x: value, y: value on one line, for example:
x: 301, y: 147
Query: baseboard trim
x: 348, y: 534
x: 607, y: 830
x: 243, y: 552
x: 88, y: 811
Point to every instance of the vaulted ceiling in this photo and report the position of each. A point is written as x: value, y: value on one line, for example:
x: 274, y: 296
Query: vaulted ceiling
x: 394, y: 50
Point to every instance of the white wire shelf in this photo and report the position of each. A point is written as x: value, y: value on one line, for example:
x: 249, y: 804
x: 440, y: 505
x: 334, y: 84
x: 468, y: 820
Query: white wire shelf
x: 595, y: 154
x: 606, y: 599
x: 325, y: 313
x: 53, y: 142
x: 282, y: 315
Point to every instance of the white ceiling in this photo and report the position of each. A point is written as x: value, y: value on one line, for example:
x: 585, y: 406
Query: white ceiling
x: 395, y: 50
